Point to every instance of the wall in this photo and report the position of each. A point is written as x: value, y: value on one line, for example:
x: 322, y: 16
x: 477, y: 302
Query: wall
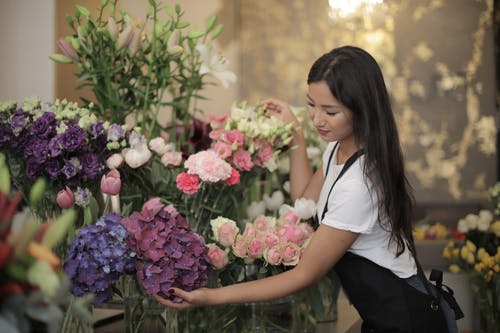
x: 26, y: 39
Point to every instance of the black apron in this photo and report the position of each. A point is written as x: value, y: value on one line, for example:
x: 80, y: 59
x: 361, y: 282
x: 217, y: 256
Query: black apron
x: 385, y: 302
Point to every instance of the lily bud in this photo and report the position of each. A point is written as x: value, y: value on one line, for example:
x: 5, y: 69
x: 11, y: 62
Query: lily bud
x: 60, y: 58
x: 135, y: 43
x: 65, y: 198
x: 112, y: 28
x: 67, y: 49
x: 175, y: 51
x: 125, y: 37
x: 111, y: 183
x: 37, y: 191
x: 58, y: 229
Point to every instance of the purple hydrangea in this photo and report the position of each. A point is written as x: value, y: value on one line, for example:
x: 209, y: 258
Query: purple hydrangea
x: 168, y: 253
x: 97, y: 257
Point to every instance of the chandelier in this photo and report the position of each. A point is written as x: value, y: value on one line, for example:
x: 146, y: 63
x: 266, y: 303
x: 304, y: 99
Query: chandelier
x: 346, y: 8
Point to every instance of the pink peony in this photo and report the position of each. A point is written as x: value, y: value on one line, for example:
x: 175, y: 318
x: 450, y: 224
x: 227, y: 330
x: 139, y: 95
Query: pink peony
x: 240, y: 246
x: 256, y: 248
x: 188, y: 183
x: 111, y: 183
x: 173, y: 158
x: 234, y: 137
x: 217, y: 257
x: 208, y: 166
x: 234, y: 179
x: 65, y: 198
x: 223, y: 149
x: 273, y: 255
x: 243, y: 160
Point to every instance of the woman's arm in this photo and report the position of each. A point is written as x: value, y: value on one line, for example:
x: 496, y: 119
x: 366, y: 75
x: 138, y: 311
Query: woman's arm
x: 303, y: 183
x: 327, y: 246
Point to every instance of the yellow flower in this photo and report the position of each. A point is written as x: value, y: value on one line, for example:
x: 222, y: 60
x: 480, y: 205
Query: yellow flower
x: 479, y: 267
x: 470, y: 258
x: 42, y: 252
x: 455, y: 252
x: 496, y: 268
x: 447, y: 253
x: 418, y: 234
x: 489, y: 276
x: 464, y: 252
x: 454, y: 268
x: 471, y: 246
x: 495, y: 228
x: 481, y: 254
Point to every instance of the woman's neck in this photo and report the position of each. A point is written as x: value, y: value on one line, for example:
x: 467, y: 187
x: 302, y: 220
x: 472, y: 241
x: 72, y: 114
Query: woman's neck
x: 346, y: 149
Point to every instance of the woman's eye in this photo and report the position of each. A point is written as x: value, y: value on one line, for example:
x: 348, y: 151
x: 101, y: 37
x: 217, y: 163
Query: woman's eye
x: 310, y: 104
x: 331, y: 113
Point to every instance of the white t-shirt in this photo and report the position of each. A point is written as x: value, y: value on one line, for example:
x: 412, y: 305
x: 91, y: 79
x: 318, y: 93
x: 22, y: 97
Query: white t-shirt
x: 353, y: 206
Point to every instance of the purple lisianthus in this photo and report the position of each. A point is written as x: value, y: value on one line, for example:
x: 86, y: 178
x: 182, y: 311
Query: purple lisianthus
x: 71, y: 167
x: 168, y: 253
x: 115, y: 132
x: 82, y: 197
x: 18, y: 121
x: 44, y: 127
x: 74, y: 138
x: 91, y: 165
x: 55, y: 146
x: 96, y: 129
x: 97, y: 258
x: 5, y: 134
x: 33, y: 169
x: 53, y: 168
x: 40, y: 151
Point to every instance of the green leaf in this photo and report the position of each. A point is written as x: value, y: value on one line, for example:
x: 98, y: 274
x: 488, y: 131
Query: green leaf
x: 169, y: 10
x: 217, y: 30
x: 37, y: 190
x: 59, y: 228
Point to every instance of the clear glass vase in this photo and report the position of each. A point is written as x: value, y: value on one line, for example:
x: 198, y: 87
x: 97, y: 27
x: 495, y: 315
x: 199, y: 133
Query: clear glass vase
x: 143, y: 314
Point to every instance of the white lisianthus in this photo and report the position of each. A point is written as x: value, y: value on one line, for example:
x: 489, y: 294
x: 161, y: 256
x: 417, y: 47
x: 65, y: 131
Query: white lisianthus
x: 271, y: 164
x: 255, y: 209
x: 215, y: 64
x: 306, y: 208
x: 274, y: 201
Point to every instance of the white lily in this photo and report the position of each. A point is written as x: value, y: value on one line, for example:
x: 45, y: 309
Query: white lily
x: 215, y: 64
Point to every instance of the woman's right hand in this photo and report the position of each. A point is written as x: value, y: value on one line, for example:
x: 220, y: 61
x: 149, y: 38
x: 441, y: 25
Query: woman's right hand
x: 190, y: 299
x: 281, y: 110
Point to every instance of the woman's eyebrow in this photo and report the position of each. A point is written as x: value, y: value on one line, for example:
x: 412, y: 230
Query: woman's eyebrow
x: 325, y: 105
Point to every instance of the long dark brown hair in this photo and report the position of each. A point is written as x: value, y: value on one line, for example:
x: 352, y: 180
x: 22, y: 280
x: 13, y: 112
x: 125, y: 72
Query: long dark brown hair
x: 355, y: 79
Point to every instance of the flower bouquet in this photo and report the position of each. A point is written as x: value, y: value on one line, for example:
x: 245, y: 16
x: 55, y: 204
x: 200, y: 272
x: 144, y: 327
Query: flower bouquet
x: 476, y: 251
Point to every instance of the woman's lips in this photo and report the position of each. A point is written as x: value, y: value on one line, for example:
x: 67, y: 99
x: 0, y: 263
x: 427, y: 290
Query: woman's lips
x: 322, y: 132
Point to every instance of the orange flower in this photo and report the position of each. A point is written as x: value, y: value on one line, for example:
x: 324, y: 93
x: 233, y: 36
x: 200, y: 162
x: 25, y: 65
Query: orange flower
x: 43, y: 253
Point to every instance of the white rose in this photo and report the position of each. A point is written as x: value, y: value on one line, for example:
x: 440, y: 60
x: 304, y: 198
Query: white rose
x: 306, y: 208
x: 255, y: 209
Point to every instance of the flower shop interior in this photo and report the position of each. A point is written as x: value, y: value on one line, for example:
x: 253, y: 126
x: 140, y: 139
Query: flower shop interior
x: 111, y: 111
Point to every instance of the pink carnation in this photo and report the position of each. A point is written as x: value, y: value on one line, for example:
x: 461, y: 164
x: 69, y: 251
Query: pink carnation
x: 188, y: 183
x: 265, y: 153
x: 208, y: 166
x: 216, y: 134
x: 243, y: 160
x: 234, y: 179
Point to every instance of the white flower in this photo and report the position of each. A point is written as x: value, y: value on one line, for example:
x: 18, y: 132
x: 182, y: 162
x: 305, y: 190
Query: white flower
x: 216, y: 65
x: 471, y: 220
x: 306, y: 208
x: 462, y: 226
x: 255, y: 209
x: 484, y: 220
x: 285, y: 209
x: 137, y: 157
x: 158, y: 145
x: 275, y: 201
x: 284, y: 165
x: 114, y: 161
x: 286, y: 186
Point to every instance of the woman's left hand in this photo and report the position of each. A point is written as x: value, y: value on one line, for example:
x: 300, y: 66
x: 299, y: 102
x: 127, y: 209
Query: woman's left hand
x: 190, y: 299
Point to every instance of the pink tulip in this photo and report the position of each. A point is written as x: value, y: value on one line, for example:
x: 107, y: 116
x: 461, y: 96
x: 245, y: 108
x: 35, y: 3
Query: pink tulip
x: 111, y: 183
x: 65, y: 198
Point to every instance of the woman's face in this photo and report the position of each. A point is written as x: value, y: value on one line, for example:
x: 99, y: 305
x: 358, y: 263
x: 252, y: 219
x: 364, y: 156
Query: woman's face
x: 332, y: 120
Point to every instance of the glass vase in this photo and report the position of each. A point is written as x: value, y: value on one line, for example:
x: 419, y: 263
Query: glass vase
x: 143, y: 314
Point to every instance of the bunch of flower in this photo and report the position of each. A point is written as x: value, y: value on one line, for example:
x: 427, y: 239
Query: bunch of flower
x: 169, y: 254
x: 97, y: 258
x: 267, y: 240
x: 62, y: 142
x: 135, y: 68
x: 494, y: 194
x: 247, y: 137
x: 427, y: 230
x: 476, y: 251
x: 32, y: 282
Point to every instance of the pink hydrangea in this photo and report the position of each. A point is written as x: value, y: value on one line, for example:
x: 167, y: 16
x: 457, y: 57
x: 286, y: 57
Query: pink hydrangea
x: 188, y: 183
x: 208, y: 166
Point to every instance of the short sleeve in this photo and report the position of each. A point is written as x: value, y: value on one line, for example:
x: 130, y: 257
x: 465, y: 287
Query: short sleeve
x: 351, y: 207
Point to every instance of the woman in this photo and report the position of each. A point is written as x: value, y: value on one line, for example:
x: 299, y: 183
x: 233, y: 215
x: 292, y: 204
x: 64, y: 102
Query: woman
x: 364, y: 203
